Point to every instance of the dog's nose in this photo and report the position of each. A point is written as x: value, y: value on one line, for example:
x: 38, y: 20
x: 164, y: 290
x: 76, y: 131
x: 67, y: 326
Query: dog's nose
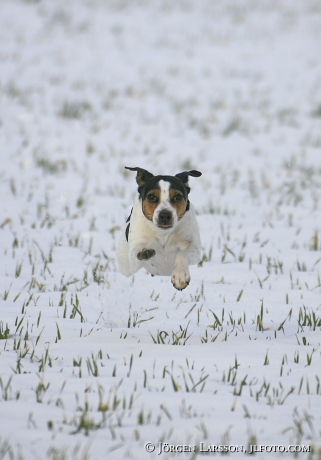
x: 165, y: 218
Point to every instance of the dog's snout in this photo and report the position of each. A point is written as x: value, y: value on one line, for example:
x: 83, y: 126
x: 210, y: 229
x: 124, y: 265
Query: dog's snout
x: 165, y: 218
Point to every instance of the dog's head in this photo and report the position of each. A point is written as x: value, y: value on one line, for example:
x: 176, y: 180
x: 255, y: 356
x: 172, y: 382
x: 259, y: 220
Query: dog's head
x: 164, y: 198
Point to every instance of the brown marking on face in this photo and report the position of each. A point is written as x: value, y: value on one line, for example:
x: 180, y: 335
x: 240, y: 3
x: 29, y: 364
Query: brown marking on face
x: 151, y: 202
x: 179, y: 202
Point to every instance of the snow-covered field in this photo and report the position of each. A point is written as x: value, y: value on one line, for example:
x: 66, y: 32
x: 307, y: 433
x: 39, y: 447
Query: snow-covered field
x: 94, y: 365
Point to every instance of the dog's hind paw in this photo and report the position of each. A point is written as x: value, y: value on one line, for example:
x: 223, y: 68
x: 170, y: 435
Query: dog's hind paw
x: 181, y: 279
x: 146, y: 254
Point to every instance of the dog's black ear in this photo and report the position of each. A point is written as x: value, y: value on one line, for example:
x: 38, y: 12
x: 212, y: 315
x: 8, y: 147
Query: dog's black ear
x: 183, y: 176
x: 142, y: 175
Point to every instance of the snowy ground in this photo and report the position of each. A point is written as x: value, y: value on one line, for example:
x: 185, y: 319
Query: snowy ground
x: 94, y: 365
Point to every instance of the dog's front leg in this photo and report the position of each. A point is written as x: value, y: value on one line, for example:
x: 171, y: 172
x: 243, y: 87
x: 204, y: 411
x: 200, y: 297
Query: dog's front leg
x: 181, y: 276
x: 138, y: 253
x: 141, y: 251
x: 145, y: 254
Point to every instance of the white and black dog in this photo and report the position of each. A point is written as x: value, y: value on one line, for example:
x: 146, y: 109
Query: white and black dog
x: 161, y: 233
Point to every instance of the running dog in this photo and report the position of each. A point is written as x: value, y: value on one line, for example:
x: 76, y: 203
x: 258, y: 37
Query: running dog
x: 161, y: 233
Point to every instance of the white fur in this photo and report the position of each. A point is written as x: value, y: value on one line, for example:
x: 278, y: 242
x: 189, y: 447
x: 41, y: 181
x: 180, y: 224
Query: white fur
x: 175, y: 248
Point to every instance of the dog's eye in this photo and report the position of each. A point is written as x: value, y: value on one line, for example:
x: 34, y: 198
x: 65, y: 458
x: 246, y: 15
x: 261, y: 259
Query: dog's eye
x: 177, y: 198
x: 152, y: 198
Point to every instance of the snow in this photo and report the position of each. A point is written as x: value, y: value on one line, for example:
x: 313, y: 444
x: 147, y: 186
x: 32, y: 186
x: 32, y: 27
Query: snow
x: 92, y: 364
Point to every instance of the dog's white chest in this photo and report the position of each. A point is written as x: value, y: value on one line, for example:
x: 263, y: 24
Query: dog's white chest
x: 163, y: 262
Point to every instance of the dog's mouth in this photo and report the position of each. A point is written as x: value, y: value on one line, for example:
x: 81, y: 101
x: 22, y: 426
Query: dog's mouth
x: 164, y: 226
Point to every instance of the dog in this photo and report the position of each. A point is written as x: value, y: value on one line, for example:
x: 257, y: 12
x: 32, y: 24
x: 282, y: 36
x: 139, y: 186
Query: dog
x: 161, y: 234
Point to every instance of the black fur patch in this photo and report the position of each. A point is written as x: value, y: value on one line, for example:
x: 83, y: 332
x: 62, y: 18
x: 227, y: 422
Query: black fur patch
x: 153, y: 183
x: 128, y: 225
x: 127, y: 231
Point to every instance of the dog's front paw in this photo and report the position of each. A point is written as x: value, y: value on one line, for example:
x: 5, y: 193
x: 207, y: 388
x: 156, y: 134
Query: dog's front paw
x: 145, y: 254
x: 181, y: 279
